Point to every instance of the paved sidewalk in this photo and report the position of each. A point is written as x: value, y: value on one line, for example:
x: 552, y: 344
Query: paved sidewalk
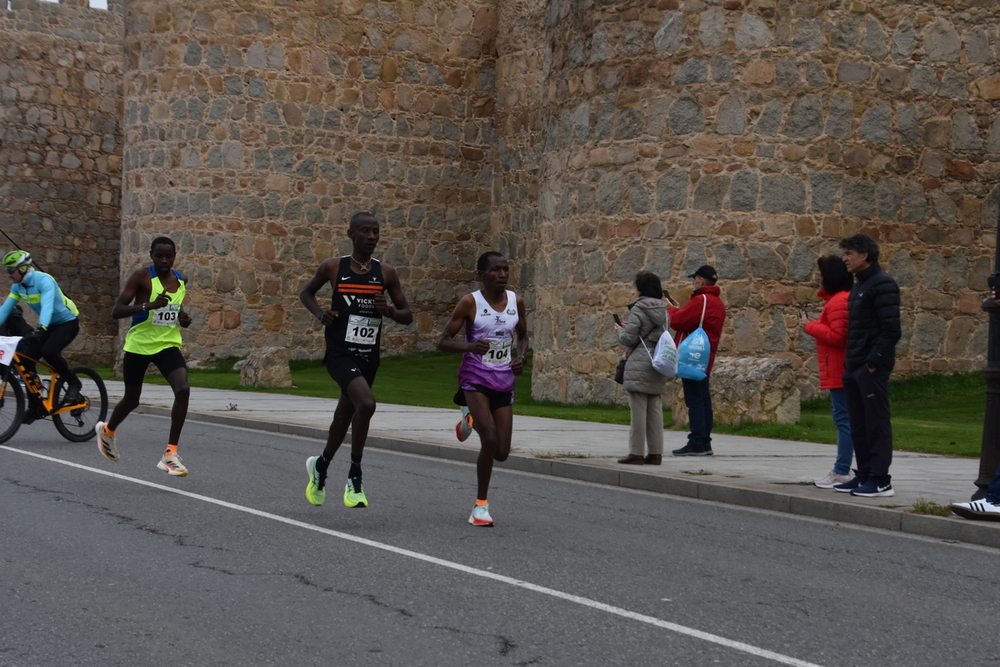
x: 756, y: 472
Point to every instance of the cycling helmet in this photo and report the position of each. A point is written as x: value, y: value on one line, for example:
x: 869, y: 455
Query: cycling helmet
x: 18, y: 259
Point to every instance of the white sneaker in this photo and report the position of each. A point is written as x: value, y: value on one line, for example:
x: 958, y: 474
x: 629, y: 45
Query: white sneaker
x: 830, y: 480
x: 106, y: 444
x: 977, y: 509
x: 481, y: 516
x: 172, y: 466
x: 463, y: 429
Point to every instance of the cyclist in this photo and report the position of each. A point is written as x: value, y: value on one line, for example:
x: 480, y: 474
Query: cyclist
x: 152, y: 298
x: 58, y: 325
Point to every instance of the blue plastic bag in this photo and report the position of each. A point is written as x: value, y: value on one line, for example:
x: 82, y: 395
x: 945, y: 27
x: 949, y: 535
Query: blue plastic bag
x: 693, y: 355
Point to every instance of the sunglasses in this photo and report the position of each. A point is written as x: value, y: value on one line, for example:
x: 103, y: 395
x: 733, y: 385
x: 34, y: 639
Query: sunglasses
x: 11, y: 271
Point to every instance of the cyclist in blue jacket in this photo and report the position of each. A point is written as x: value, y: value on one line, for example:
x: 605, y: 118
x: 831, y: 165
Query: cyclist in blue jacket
x: 58, y: 320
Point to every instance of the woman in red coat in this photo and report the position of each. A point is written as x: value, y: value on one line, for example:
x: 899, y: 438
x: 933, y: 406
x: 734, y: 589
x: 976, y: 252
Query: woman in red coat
x: 830, y: 332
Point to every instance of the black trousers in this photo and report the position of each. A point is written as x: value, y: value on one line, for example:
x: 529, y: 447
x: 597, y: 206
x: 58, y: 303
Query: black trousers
x: 867, y: 394
x: 50, y: 346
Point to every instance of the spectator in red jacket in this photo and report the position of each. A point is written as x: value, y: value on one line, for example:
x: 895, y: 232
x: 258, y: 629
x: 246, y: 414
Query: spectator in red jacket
x: 705, y: 310
x: 830, y: 332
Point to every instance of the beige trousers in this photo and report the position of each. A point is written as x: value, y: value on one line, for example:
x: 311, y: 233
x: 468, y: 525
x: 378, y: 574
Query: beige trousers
x: 646, y: 425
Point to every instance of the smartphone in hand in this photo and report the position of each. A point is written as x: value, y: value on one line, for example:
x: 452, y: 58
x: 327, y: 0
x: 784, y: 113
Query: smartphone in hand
x: 618, y: 320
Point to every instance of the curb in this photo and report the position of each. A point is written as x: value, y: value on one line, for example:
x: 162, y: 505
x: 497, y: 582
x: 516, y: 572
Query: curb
x: 943, y: 528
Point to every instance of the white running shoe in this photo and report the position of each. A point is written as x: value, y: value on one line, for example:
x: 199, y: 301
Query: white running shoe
x: 106, y: 444
x: 977, y: 509
x: 172, y: 466
x: 463, y: 429
x: 830, y: 480
x: 481, y: 516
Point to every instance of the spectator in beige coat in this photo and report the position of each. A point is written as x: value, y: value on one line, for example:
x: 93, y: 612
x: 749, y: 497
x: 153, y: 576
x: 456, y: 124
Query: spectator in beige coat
x: 647, y: 320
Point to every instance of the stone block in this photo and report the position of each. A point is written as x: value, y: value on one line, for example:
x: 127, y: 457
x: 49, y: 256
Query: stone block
x: 748, y: 389
x: 266, y: 367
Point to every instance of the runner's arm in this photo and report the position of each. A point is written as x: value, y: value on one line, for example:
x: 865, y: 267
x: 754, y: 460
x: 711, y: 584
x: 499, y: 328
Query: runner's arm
x: 134, y: 298
x: 517, y: 364
x: 464, y: 312
x: 183, y: 318
x: 307, y: 296
x: 401, y: 313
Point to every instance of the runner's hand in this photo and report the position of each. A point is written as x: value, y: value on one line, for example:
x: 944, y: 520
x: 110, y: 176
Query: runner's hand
x: 517, y: 365
x: 328, y: 317
x: 479, y: 347
x: 382, y: 305
x: 161, y: 301
x: 184, y: 319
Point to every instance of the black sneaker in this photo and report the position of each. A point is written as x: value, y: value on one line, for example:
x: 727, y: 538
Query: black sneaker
x: 72, y: 397
x: 849, y: 486
x: 693, y: 450
x: 872, y: 488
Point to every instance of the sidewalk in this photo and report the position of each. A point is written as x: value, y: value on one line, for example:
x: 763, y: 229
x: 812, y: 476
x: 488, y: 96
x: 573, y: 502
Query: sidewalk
x: 754, y: 472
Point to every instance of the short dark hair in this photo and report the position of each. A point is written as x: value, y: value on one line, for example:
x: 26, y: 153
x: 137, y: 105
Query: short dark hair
x: 362, y: 218
x: 833, y: 275
x: 484, y: 259
x: 648, y: 284
x: 161, y: 240
x: 861, y: 243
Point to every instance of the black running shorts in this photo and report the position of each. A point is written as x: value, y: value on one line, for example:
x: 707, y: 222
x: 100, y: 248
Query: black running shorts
x: 497, y: 399
x: 134, y: 365
x: 343, y: 368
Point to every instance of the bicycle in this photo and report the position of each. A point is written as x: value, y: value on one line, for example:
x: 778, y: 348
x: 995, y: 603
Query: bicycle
x: 76, y: 422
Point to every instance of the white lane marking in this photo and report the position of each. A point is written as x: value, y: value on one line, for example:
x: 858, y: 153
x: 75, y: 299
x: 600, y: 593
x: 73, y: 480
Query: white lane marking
x: 569, y: 597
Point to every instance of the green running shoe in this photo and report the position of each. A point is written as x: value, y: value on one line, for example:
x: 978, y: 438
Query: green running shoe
x: 354, y: 493
x: 316, y: 488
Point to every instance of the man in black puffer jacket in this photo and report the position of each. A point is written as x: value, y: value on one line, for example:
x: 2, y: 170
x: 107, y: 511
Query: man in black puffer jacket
x: 873, y: 330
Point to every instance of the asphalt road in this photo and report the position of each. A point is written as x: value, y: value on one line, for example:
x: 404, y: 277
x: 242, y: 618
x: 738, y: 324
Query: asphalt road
x: 119, y: 564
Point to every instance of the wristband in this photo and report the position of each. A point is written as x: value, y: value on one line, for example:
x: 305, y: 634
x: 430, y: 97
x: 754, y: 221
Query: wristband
x: 144, y: 309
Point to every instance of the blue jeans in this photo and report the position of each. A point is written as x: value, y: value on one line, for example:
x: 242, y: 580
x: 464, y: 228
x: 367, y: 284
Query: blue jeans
x: 993, y: 490
x: 699, y: 404
x: 842, y: 420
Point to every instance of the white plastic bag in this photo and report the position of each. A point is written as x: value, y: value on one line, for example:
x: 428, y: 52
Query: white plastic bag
x: 665, y: 356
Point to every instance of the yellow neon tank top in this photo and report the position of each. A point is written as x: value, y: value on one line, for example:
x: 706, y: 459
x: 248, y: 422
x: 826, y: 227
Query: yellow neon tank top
x: 156, y: 330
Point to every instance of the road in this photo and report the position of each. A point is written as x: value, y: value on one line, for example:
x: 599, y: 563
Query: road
x: 119, y: 564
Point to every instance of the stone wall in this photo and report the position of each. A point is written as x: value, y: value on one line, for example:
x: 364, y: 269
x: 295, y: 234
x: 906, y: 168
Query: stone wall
x: 60, y: 156
x: 753, y: 136
x: 585, y: 139
x: 254, y: 133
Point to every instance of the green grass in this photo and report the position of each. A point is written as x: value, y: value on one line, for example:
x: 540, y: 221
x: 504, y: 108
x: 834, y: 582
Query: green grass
x: 930, y: 507
x: 937, y: 414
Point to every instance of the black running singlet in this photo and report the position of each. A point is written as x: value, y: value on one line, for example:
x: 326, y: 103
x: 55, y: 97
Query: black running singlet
x: 358, y: 327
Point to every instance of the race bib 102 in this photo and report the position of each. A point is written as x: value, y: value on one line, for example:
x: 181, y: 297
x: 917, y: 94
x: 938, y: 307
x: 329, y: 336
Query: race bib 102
x: 362, y: 330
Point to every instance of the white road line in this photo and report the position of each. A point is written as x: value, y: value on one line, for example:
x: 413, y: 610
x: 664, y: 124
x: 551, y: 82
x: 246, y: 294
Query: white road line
x: 586, y: 602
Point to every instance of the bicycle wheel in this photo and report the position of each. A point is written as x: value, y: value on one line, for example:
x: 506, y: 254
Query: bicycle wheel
x: 78, y: 425
x: 11, y: 403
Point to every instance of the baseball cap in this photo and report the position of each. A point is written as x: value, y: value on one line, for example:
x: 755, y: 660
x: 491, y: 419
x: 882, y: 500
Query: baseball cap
x: 705, y: 271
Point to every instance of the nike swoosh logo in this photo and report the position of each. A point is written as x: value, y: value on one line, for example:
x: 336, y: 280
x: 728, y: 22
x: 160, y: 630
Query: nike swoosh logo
x: 345, y: 277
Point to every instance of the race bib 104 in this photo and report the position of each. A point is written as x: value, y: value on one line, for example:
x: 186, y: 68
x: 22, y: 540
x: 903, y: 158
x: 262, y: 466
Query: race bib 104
x: 362, y: 330
x: 499, y: 353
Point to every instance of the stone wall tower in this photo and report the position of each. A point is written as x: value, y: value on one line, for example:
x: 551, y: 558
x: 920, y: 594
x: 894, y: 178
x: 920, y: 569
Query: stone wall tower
x: 753, y: 136
x: 60, y: 153
x: 254, y: 131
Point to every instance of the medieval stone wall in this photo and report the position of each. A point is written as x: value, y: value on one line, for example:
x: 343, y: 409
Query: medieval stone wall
x: 753, y: 136
x: 253, y: 133
x: 585, y: 139
x: 60, y: 156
